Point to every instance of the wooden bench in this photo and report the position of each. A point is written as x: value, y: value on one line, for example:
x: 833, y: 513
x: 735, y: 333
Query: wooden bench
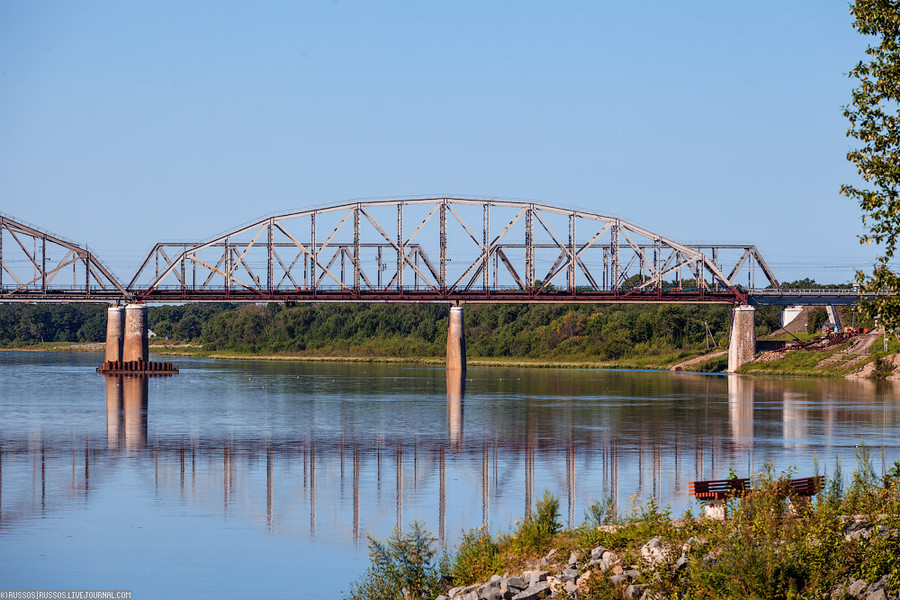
x: 717, y: 490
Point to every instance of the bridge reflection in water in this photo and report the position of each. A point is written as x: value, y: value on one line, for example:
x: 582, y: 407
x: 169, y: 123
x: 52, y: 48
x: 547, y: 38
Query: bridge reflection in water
x: 224, y: 472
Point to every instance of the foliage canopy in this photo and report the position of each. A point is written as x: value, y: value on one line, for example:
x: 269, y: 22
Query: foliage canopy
x: 874, y: 117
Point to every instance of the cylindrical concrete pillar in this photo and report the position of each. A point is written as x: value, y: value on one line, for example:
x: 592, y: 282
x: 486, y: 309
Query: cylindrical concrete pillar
x: 115, y: 333
x: 456, y: 341
x: 742, y: 345
x: 135, y: 346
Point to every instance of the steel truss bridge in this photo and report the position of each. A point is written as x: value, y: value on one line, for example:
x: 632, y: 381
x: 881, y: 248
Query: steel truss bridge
x: 400, y: 250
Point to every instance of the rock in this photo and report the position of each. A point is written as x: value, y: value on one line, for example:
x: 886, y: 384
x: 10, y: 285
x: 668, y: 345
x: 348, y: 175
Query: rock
x: 598, y: 552
x: 494, y: 589
x: 617, y: 570
x: 459, y: 592
x: 877, y: 595
x: 691, y: 543
x: 570, y: 588
x: 569, y: 575
x: 583, y: 580
x: 533, y: 577
x: 635, y: 590
x: 681, y: 563
x: 632, y: 574
x: 468, y: 596
x: 618, y: 579
x: 858, y: 529
x: 878, y: 585
x: 573, y: 559
x: 608, y: 561
x: 856, y: 587
x: 517, y: 583
x: 655, y: 551
x: 539, y: 590
x: 443, y: 597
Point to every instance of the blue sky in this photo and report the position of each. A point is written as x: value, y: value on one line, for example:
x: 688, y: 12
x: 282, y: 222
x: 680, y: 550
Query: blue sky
x: 123, y: 123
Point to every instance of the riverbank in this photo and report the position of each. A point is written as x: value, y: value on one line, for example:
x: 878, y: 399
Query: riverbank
x: 177, y: 349
x: 842, y: 545
x: 849, y: 360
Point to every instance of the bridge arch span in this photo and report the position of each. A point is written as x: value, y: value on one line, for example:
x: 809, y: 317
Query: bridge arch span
x: 445, y: 249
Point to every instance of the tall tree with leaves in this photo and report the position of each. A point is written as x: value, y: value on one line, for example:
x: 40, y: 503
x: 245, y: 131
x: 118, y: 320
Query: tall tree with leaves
x: 875, y: 122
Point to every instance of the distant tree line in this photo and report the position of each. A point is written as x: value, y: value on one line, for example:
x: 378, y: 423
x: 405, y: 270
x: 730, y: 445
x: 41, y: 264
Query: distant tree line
x: 605, y: 332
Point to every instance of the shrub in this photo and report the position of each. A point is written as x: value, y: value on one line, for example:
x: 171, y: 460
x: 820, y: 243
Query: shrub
x: 535, y: 533
x: 402, y: 567
x: 477, y: 558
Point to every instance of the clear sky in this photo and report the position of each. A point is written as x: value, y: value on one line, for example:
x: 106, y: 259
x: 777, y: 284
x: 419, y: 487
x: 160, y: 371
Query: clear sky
x: 127, y: 123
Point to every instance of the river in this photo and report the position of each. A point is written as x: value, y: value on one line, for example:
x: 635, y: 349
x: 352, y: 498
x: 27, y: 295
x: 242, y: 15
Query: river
x: 245, y: 478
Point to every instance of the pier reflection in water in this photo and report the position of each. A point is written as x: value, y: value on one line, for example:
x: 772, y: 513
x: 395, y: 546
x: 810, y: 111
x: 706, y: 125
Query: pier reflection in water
x: 333, y: 453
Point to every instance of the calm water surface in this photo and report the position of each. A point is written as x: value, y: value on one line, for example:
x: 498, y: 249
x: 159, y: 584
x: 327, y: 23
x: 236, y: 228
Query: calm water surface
x: 248, y: 478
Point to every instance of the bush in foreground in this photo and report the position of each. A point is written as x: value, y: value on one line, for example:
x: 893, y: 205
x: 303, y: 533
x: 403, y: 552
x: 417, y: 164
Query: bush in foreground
x: 771, y: 546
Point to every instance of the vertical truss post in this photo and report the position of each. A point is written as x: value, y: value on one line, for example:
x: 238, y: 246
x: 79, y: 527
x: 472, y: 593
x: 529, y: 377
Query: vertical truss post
x: 529, y: 249
x: 657, y: 256
x: 227, y: 266
x: 571, y: 266
x: 486, y: 265
x: 496, y: 268
x: 270, y: 274
x: 356, y: 247
x: 715, y: 259
x: 87, y: 279
x: 378, y: 257
x: 750, y: 274
x: 313, y: 283
x: 444, y: 245
x: 614, y: 255
x: 184, y: 259
x: 1, y: 256
x: 401, y: 248
x: 44, y: 264
x: 605, y: 269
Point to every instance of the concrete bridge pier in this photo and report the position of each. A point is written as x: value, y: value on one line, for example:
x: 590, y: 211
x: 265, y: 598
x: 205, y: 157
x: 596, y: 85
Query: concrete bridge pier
x: 456, y: 341
x: 136, y: 346
x: 115, y: 333
x: 742, y: 345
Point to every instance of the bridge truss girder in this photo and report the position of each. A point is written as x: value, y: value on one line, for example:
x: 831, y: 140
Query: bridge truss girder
x: 436, y: 249
x: 34, y: 262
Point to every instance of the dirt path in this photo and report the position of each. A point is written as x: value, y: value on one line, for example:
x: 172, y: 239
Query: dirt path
x: 691, y: 362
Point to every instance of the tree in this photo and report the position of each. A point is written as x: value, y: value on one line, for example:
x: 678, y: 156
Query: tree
x: 874, y: 119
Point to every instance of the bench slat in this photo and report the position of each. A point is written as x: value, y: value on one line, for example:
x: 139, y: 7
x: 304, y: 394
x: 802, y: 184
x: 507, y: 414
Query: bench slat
x: 729, y: 488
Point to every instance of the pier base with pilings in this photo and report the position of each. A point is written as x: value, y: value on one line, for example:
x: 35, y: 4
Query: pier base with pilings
x: 127, y: 343
x: 742, y: 344
x: 456, y: 341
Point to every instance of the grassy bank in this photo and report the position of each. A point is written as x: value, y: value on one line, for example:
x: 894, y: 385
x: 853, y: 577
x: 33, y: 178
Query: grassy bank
x: 837, y: 361
x: 845, y: 542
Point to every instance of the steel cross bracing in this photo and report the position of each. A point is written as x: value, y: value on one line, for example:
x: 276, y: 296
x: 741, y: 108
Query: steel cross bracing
x: 446, y: 249
x: 38, y: 266
x: 405, y: 250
